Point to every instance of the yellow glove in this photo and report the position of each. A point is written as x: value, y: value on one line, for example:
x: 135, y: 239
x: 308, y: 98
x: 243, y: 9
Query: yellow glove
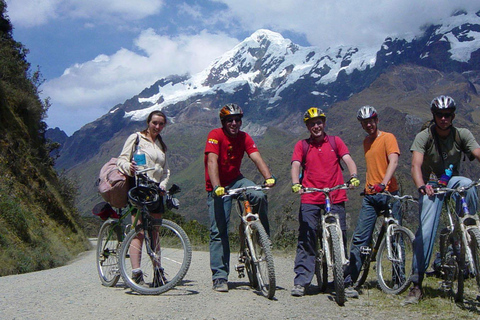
x: 354, y: 182
x: 296, y: 187
x: 270, y: 181
x: 219, y: 191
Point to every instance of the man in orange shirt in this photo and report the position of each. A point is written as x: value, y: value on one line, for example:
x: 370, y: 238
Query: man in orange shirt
x: 381, y: 155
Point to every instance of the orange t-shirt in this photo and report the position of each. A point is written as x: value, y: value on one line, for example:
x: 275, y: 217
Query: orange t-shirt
x: 376, y: 157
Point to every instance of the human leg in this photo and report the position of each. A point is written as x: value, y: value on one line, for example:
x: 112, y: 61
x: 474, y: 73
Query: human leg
x: 219, y: 211
x: 307, y: 238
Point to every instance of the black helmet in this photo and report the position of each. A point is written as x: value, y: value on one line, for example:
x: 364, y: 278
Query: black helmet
x: 366, y: 112
x: 443, y: 103
x: 144, y: 196
x: 230, y: 109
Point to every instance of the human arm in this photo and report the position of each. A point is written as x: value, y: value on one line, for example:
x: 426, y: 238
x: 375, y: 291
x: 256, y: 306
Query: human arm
x: 295, y: 174
x: 262, y: 167
x: 214, y: 175
x: 476, y: 153
x: 416, y: 171
x: 352, y: 169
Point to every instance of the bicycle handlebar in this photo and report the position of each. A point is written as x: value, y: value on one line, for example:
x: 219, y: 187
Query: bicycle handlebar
x: 404, y: 197
x: 440, y: 190
x: 231, y: 192
x: 326, y: 190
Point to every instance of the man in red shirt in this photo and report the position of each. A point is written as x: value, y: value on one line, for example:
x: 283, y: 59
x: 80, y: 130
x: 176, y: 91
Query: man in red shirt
x: 224, y: 151
x: 322, y: 169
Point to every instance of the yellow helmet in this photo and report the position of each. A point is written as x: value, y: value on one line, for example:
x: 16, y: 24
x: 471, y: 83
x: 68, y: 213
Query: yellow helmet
x: 313, y: 113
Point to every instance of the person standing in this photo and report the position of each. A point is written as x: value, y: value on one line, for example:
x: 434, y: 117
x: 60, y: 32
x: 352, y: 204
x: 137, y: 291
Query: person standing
x: 381, y: 157
x: 224, y: 151
x: 434, y: 150
x: 151, y: 143
x: 320, y: 157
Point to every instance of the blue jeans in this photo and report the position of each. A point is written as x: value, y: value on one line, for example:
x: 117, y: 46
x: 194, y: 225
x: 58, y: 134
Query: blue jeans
x: 309, y: 219
x: 430, y: 209
x: 372, y: 205
x: 219, y: 210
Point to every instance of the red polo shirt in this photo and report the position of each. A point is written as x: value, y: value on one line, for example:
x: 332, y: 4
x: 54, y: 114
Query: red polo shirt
x: 322, y: 169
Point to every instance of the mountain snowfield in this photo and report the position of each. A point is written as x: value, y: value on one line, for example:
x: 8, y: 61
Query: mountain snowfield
x: 268, y: 62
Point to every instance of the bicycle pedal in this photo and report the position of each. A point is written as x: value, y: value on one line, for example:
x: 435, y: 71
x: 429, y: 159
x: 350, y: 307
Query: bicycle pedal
x: 240, y: 268
x: 365, y: 250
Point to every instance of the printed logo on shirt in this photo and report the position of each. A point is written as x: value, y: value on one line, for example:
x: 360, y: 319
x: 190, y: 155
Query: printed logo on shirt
x: 212, y: 141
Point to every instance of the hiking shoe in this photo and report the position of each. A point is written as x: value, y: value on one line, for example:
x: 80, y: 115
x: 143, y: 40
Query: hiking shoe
x: 350, y: 292
x: 298, y: 291
x: 137, y: 277
x: 220, y: 285
x: 413, y: 296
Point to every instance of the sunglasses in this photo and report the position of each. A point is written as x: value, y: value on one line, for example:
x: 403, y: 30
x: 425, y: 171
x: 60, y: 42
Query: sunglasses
x: 445, y: 115
x: 313, y: 123
x: 236, y: 119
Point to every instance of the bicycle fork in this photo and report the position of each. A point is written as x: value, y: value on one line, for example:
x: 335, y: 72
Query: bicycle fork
x: 329, y: 220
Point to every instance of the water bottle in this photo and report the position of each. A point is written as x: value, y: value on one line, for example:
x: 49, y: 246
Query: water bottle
x: 139, y: 157
x: 446, y: 176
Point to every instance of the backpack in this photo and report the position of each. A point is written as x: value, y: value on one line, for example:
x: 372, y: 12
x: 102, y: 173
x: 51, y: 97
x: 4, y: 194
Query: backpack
x: 112, y: 184
x: 306, y: 144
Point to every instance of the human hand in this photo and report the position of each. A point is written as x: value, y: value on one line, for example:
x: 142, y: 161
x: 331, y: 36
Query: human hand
x: 296, y: 187
x: 426, y: 190
x: 378, y: 188
x: 219, y: 191
x: 353, y: 182
x: 270, y: 182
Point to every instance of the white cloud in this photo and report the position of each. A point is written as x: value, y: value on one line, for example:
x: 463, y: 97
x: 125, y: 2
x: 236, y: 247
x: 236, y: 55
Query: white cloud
x: 105, y: 81
x: 30, y: 13
x: 328, y: 23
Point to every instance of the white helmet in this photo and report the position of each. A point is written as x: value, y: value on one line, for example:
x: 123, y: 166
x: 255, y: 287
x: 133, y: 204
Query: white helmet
x: 443, y: 103
x: 366, y: 112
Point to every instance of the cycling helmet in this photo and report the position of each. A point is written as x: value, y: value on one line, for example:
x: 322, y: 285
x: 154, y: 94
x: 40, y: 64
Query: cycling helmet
x: 144, y: 196
x: 443, y: 103
x: 230, y: 109
x: 366, y: 112
x: 313, y: 113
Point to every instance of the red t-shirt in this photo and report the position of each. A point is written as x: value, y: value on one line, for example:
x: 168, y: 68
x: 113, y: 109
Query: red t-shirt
x: 230, y: 152
x: 322, y: 169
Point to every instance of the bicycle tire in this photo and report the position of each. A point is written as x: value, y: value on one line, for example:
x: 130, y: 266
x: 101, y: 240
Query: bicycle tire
x: 250, y: 266
x: 475, y: 248
x: 458, y: 287
x: 175, y: 257
x: 108, y: 247
x: 321, y: 268
x: 336, y: 249
x: 393, y: 273
x: 264, y: 266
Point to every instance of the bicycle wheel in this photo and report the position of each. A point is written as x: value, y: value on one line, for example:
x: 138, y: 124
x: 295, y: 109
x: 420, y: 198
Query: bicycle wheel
x: 455, y: 266
x: 108, y: 247
x: 475, y: 248
x: 336, y: 250
x: 170, y: 260
x: 321, y: 268
x: 250, y: 266
x: 394, y: 264
x: 264, y: 267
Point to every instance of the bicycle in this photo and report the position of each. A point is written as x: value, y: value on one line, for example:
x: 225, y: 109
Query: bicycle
x: 255, y: 254
x: 330, y: 253
x: 165, y: 251
x: 459, y: 243
x: 391, y: 248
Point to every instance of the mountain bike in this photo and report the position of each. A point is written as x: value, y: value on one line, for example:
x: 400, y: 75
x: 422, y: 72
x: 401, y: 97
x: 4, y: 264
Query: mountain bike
x: 330, y: 253
x: 255, y: 255
x: 391, y: 248
x: 163, y: 246
x: 459, y: 242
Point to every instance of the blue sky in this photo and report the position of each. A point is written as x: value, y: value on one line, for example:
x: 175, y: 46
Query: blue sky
x: 95, y: 54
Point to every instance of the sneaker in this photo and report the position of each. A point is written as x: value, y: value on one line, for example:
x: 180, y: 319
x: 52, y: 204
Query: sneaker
x: 350, y: 292
x: 220, y: 285
x: 137, y: 277
x: 413, y: 296
x: 298, y: 291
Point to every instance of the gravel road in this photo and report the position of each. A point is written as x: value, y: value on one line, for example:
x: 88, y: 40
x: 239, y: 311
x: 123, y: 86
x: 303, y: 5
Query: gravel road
x: 75, y: 292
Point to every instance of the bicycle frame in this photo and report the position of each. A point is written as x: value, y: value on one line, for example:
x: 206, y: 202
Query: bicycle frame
x: 329, y: 218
